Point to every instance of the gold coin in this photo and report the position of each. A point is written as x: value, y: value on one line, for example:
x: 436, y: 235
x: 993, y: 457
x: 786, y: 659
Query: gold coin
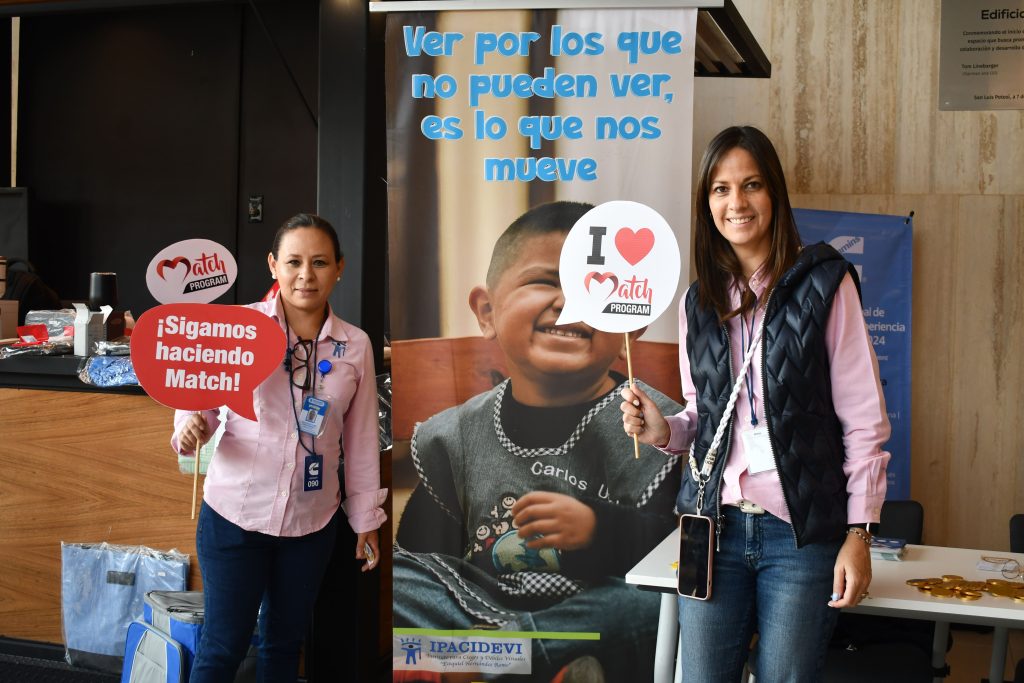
x: 1019, y: 599
x: 943, y: 592
x: 952, y: 577
x: 974, y: 585
x: 1002, y: 591
x: 917, y: 583
x: 955, y: 584
x: 997, y: 582
x: 969, y: 595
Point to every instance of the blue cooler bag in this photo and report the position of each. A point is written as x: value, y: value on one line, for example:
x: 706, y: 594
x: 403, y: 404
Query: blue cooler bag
x: 178, y: 615
x: 102, y: 587
x: 152, y: 657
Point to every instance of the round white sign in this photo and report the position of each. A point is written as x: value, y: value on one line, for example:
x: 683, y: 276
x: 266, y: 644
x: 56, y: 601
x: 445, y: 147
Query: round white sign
x: 619, y: 267
x: 191, y: 271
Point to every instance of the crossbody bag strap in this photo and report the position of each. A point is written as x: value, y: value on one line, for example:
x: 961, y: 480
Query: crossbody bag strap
x: 704, y: 474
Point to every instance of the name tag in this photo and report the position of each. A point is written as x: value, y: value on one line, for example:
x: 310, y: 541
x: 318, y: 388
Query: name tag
x: 314, y: 477
x: 758, y: 450
x: 311, y: 419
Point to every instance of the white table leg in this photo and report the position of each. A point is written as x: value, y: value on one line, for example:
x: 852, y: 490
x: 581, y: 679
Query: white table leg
x: 995, y: 668
x: 668, y: 639
x: 939, y: 641
x: 679, y: 662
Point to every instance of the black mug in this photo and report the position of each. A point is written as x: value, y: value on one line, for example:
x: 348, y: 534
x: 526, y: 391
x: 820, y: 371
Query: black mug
x: 102, y: 290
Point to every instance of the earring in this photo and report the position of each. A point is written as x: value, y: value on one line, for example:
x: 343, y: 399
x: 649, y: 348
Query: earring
x: 339, y: 279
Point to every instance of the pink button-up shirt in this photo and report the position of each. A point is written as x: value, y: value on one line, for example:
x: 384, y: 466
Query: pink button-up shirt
x: 256, y: 476
x: 856, y: 396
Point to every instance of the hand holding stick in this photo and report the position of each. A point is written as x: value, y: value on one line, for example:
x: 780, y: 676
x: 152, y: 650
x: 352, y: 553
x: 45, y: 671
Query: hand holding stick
x: 195, y: 477
x: 194, y: 433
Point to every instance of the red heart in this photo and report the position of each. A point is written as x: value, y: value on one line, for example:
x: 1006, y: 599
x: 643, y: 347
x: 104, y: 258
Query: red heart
x: 601, y: 279
x: 173, y: 264
x: 634, y: 245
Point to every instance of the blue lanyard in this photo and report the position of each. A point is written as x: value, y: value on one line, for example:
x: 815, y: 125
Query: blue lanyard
x: 750, y: 368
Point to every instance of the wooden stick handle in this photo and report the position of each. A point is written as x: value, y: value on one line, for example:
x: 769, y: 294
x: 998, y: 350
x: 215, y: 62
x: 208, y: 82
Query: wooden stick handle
x: 632, y: 383
x: 195, y: 477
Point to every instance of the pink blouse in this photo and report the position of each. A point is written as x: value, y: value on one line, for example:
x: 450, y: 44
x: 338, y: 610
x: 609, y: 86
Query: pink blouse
x: 256, y: 476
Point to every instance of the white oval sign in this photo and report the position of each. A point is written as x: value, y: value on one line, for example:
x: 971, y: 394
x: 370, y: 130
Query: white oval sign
x: 619, y: 267
x: 191, y: 271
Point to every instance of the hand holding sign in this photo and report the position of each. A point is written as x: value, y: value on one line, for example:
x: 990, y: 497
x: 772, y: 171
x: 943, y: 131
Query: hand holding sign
x: 619, y: 270
x: 202, y: 356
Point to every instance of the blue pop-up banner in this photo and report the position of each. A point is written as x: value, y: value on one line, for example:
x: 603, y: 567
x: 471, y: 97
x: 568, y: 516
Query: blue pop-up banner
x: 879, y: 247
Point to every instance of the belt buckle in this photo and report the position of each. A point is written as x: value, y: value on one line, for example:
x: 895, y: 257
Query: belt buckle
x: 750, y: 508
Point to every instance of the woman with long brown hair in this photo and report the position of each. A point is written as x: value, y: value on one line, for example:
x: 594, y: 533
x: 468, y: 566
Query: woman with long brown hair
x: 781, y: 382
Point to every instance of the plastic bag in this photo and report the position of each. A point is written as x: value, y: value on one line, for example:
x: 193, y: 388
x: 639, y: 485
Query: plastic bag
x: 102, y: 590
x: 108, y: 371
x: 114, y: 347
x: 59, y: 347
x: 59, y: 323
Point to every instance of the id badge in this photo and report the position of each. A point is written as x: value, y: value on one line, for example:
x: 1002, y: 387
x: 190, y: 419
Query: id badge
x: 313, y: 416
x: 758, y: 450
x: 314, y: 473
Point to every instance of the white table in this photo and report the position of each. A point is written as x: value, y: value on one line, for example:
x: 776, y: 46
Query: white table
x: 889, y: 596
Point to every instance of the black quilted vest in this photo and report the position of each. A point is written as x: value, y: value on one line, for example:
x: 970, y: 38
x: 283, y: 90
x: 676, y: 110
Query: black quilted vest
x: 805, y: 433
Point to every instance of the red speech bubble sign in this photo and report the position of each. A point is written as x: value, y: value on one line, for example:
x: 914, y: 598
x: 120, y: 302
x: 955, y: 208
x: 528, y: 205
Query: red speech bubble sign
x: 202, y: 356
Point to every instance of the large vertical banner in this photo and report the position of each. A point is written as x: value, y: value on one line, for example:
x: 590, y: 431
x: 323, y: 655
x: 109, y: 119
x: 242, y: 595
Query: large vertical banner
x: 519, y: 503
x: 879, y: 247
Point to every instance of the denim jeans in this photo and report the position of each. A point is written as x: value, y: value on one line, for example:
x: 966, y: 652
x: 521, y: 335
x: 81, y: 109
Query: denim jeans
x: 625, y: 616
x: 761, y: 581
x: 246, y: 573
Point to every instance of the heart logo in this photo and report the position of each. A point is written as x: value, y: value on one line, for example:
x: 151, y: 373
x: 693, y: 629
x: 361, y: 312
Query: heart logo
x: 601, y: 278
x: 172, y: 264
x: 634, y: 245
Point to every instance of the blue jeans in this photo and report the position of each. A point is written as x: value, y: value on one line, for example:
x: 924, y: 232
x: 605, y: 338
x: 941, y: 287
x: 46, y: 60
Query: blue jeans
x: 246, y: 573
x: 761, y: 581
x: 625, y: 616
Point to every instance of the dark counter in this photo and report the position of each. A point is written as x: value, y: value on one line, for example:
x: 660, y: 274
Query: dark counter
x: 52, y: 372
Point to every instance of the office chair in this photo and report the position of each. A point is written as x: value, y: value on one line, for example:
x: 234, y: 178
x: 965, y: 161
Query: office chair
x: 1017, y: 533
x: 901, y: 519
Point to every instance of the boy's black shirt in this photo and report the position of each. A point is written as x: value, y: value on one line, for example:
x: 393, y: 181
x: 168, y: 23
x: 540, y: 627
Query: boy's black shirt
x: 622, y: 536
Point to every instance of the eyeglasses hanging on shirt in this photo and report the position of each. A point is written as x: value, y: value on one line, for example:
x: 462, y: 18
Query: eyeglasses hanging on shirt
x: 298, y: 362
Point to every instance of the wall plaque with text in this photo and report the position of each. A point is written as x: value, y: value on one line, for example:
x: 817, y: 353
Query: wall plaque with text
x: 981, y: 58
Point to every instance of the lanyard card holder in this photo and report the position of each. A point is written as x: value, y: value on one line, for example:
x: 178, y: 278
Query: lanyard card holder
x: 696, y: 536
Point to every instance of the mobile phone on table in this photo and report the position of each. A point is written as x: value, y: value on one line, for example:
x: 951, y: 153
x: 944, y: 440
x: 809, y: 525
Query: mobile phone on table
x: 696, y: 534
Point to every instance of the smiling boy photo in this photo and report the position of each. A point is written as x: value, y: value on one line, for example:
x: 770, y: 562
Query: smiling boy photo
x: 530, y: 507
